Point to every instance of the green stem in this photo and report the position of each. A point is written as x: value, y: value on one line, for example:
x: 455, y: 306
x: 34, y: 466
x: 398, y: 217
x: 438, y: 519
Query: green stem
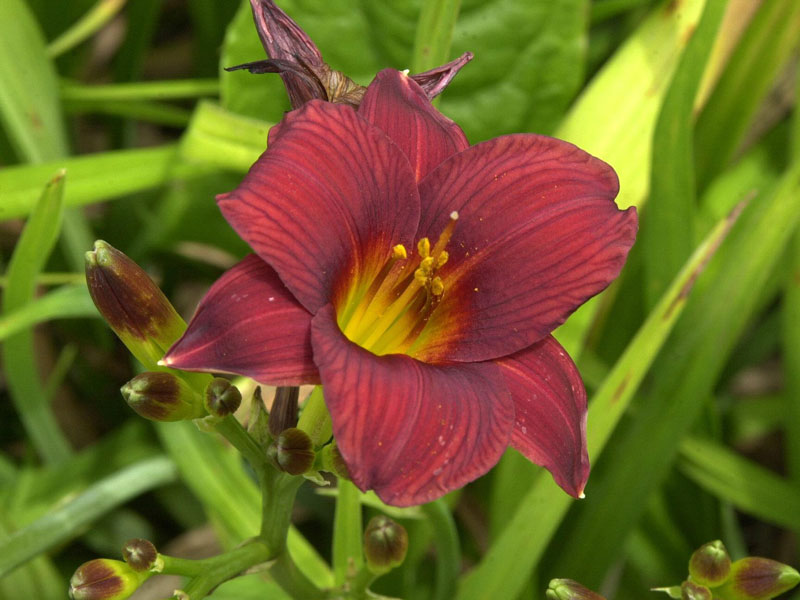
x: 221, y: 568
x: 286, y: 574
x: 230, y: 428
x: 347, y: 532
x: 448, y: 551
x: 360, y: 584
x: 182, y: 566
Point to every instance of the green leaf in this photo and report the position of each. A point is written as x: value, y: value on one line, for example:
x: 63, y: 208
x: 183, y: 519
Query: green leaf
x: 102, y: 12
x: 67, y: 301
x: 753, y: 67
x: 29, y: 104
x: 69, y: 519
x: 747, y: 485
x: 38, y: 578
x: 509, y: 562
x: 19, y: 357
x: 434, y: 34
x: 683, y: 378
x: 667, y: 235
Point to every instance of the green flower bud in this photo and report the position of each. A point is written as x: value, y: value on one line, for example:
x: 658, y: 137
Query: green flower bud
x: 222, y: 397
x: 105, y: 579
x: 141, y: 555
x: 283, y: 413
x: 755, y: 578
x: 292, y: 452
x: 385, y: 544
x: 162, y: 396
x: 333, y: 462
x: 567, y: 589
x: 710, y: 564
x: 132, y: 304
x: 694, y: 591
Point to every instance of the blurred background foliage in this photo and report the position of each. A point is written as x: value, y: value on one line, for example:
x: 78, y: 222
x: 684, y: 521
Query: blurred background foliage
x: 692, y: 359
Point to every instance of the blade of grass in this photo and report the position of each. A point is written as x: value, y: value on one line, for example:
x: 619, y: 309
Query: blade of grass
x: 19, y: 357
x: 39, y: 578
x: 434, y: 34
x: 68, y: 520
x: 747, y: 485
x: 667, y: 232
x: 510, y: 561
x: 100, y: 14
x: 67, y: 301
x: 73, y: 91
x: 151, y: 112
x: 683, y: 378
x: 753, y: 67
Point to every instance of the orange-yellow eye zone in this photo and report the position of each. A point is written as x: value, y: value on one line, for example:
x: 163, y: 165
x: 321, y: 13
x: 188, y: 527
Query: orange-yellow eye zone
x: 387, y: 314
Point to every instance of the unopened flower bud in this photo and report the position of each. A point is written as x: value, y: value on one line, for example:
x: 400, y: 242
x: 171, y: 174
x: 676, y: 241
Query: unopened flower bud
x: 292, y: 452
x: 567, y: 589
x: 141, y: 555
x: 105, y: 579
x: 710, y: 564
x: 162, y: 396
x: 333, y: 462
x: 222, y: 397
x: 385, y: 544
x: 755, y: 578
x: 134, y: 306
x: 694, y: 591
x: 283, y: 413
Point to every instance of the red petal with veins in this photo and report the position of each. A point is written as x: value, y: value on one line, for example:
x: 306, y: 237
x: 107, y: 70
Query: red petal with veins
x: 409, y: 430
x: 398, y: 105
x: 249, y: 324
x: 550, y: 412
x: 538, y: 234
x: 330, y: 190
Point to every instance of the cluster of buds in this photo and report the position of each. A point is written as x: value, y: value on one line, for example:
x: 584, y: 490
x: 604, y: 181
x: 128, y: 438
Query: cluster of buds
x: 107, y: 579
x: 712, y: 576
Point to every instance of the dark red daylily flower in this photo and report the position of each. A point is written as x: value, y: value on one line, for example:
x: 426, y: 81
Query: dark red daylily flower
x: 418, y: 279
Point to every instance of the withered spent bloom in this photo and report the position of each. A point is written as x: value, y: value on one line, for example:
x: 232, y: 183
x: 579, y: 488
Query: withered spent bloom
x: 307, y: 76
x: 283, y: 413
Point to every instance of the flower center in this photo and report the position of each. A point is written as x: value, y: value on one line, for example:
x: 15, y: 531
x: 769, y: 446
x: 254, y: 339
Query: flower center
x: 394, y: 308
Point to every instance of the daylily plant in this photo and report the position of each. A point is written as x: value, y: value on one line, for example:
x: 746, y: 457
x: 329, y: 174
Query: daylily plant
x: 418, y: 279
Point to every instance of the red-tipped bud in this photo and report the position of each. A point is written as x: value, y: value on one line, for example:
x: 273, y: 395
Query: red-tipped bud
x: 283, y: 413
x: 333, y: 462
x: 141, y: 555
x: 132, y: 304
x: 292, y: 452
x: 694, y: 591
x: 385, y: 544
x: 567, y: 589
x: 222, y: 397
x: 105, y: 579
x: 755, y: 578
x: 710, y: 564
x: 161, y: 396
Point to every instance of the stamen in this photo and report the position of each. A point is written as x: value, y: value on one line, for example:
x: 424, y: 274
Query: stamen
x: 446, y: 234
x: 399, y: 251
x: 424, y: 247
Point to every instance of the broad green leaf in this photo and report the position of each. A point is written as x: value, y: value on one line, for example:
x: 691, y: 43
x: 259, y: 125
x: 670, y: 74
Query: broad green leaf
x: 69, y: 519
x: 667, y: 235
x: 683, y: 378
x: 19, y: 357
x: 92, y: 178
x: 508, y: 565
x: 67, y: 301
x: 38, y: 578
x: 747, y: 485
x: 764, y: 49
x: 29, y: 105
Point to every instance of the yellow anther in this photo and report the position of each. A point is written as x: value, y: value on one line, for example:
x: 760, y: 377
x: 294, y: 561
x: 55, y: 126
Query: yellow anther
x: 427, y: 264
x: 399, y: 251
x: 437, y: 286
x: 421, y: 276
x: 442, y: 258
x: 424, y: 247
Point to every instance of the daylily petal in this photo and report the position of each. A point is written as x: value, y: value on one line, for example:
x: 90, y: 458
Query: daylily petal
x: 249, y: 324
x: 400, y: 107
x: 409, y: 430
x: 331, y: 196
x: 538, y: 234
x: 550, y: 412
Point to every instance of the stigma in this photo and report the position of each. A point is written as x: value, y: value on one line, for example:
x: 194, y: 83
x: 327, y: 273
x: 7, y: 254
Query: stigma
x: 395, y: 307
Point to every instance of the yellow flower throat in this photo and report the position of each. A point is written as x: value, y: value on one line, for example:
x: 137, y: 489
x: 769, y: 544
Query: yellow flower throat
x: 388, y: 314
